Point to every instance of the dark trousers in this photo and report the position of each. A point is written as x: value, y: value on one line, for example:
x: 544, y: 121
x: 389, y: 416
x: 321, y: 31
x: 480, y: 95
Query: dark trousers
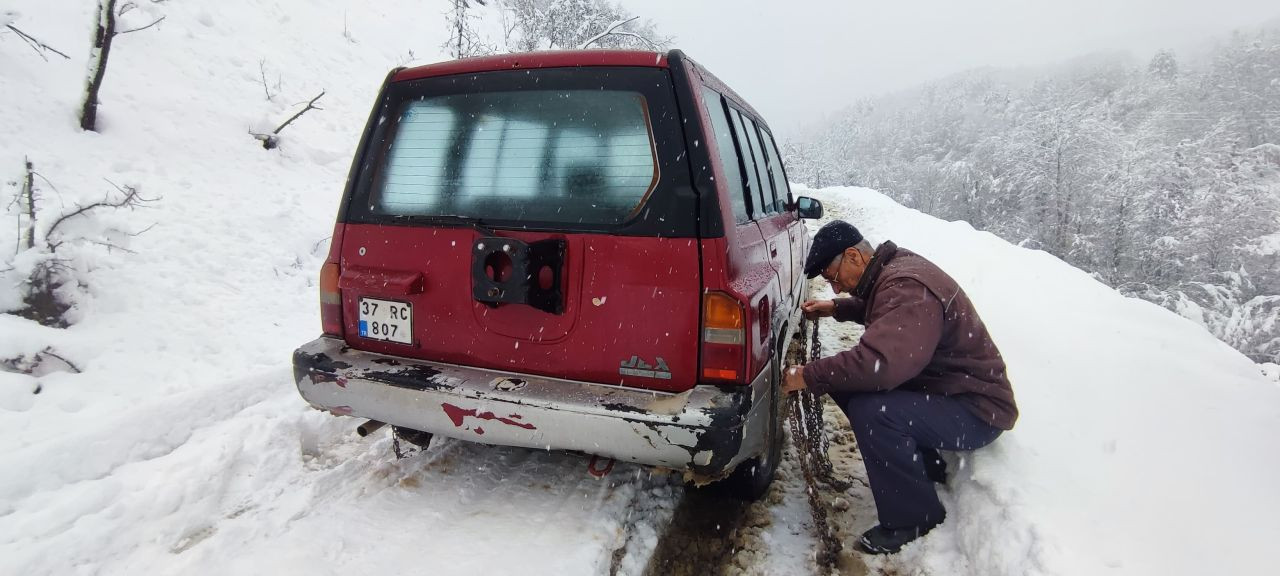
x: 896, y: 431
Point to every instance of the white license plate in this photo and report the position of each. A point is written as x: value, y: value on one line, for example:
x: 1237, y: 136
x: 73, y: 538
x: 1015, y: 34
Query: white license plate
x: 386, y: 320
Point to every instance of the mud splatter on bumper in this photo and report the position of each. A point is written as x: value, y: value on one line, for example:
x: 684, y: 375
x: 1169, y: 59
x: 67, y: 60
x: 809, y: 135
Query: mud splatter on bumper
x: 706, y: 430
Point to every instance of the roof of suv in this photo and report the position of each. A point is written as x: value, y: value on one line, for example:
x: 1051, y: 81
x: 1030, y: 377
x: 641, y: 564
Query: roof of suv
x: 547, y: 59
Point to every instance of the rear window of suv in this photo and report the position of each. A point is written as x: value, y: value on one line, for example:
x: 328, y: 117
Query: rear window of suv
x: 509, y: 147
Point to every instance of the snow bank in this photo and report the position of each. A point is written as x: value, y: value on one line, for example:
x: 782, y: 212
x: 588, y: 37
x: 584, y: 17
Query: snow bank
x: 1145, y: 445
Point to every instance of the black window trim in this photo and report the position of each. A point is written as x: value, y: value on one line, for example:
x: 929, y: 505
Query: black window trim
x: 771, y: 144
x: 723, y: 106
x: 771, y: 209
x: 667, y: 211
x: 738, y: 143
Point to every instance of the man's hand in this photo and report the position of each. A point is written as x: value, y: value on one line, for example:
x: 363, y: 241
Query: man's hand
x: 793, y: 379
x: 814, y: 309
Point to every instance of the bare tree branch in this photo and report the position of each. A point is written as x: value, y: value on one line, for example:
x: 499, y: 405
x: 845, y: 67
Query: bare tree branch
x: 606, y: 32
x: 509, y: 24
x: 46, y: 181
x: 29, y: 196
x: 158, y: 20
x: 140, y: 232
x: 642, y: 38
x: 38, y: 46
x: 316, y: 246
x: 56, y: 263
x: 310, y: 105
x: 132, y: 198
x: 49, y: 352
x: 109, y: 246
x: 113, y: 246
x: 262, y: 69
x: 270, y: 141
x: 346, y: 32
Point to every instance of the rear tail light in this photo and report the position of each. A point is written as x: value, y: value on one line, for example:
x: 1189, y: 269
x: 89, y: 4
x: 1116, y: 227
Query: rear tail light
x: 723, y: 338
x: 330, y: 299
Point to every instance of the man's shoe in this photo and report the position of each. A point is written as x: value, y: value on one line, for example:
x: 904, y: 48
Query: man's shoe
x: 881, y: 540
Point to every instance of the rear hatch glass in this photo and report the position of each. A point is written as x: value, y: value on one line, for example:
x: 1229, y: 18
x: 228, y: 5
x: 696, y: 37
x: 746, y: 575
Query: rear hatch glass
x: 555, y: 156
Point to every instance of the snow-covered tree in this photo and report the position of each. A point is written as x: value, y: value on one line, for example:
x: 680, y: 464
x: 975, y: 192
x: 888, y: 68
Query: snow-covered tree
x: 463, y: 40
x: 1161, y: 179
x: 567, y: 24
x: 1164, y: 65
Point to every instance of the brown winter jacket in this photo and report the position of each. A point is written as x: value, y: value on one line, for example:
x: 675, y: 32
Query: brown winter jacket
x: 923, y: 334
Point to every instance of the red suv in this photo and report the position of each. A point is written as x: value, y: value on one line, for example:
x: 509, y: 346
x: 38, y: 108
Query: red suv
x: 592, y: 250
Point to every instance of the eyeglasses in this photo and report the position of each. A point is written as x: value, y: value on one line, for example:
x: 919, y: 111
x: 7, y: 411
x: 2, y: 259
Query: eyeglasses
x: 837, y: 262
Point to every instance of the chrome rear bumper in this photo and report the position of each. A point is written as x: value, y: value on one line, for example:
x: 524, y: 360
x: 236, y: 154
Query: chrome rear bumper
x: 707, y: 430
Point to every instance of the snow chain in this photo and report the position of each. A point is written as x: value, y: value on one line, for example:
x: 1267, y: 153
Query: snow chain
x: 811, y: 444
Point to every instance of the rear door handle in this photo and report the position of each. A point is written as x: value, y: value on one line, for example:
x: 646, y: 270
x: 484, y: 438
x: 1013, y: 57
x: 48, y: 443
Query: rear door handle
x: 773, y: 249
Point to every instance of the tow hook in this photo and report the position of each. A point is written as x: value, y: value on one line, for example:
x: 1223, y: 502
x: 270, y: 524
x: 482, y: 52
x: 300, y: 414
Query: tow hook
x: 600, y: 467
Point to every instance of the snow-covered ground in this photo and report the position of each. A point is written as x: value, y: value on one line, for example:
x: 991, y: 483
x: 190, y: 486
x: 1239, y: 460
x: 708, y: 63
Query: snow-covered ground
x: 241, y: 479
x: 1145, y: 446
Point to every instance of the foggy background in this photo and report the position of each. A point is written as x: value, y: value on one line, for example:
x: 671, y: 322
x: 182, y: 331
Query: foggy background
x: 797, y: 61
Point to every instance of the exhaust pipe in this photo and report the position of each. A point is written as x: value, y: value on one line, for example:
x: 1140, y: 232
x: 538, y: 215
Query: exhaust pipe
x: 369, y: 427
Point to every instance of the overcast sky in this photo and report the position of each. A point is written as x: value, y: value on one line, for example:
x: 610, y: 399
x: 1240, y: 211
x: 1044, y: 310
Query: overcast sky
x: 797, y: 60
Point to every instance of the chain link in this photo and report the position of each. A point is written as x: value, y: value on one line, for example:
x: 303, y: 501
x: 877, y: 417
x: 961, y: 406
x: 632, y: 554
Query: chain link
x: 815, y: 344
x: 806, y: 431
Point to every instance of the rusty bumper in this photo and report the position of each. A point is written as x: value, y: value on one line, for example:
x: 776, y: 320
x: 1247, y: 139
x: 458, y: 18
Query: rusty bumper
x: 706, y: 430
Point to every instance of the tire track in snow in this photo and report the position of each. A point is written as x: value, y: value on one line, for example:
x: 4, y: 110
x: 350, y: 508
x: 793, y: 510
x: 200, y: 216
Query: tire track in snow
x: 711, y: 534
x: 248, y: 479
x: 701, y: 536
x: 147, y: 432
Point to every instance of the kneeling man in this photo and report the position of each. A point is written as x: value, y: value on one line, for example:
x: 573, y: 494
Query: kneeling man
x: 925, y: 376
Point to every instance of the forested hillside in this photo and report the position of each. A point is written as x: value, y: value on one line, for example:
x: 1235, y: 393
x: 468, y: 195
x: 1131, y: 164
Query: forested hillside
x: 1161, y: 178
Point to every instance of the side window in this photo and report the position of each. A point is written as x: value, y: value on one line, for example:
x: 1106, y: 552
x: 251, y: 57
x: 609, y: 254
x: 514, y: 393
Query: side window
x: 728, y: 154
x: 748, y: 165
x: 767, y: 197
x: 777, y: 171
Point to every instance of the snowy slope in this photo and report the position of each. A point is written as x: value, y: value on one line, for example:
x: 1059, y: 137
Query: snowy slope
x: 1145, y: 445
x: 184, y: 447
x: 215, y: 288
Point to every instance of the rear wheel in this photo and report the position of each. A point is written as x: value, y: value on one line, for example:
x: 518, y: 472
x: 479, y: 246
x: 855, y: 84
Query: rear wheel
x: 751, y: 479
